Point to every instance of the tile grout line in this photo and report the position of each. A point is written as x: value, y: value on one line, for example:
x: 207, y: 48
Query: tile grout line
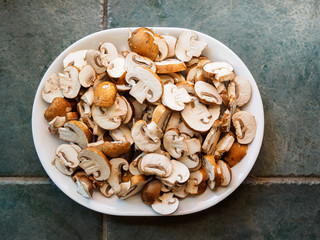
x: 105, y: 9
x: 249, y: 180
x: 104, y: 227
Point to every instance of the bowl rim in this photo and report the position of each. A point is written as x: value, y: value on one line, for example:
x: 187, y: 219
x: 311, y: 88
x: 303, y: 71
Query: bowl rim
x: 258, y: 137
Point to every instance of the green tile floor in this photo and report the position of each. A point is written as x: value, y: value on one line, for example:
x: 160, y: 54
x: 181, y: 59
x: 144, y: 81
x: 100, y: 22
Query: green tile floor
x: 277, y: 40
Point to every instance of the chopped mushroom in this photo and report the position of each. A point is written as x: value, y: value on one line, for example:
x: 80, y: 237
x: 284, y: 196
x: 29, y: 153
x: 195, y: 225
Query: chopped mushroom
x: 145, y: 84
x: 87, y: 76
x: 117, y: 165
x: 226, y: 173
x: 166, y: 204
x: 161, y: 116
x: 84, y: 186
x: 151, y: 192
x: 134, y: 60
x: 175, y: 98
x: 191, y: 161
x: 179, y: 174
x: 155, y: 164
x: 163, y: 47
x: 174, y: 143
x: 171, y: 42
x: 170, y: 66
x: 207, y: 93
x: 76, y: 59
x: 69, y: 82
x: 58, y: 107
x: 105, y: 94
x: 51, y: 89
x: 224, y: 145
x: 188, y: 46
x: 93, y: 58
x: 235, y: 154
x: 194, y: 181
x: 94, y: 162
x: 116, y: 70
x: 222, y: 71
x: 212, y: 138
x: 108, y: 53
x: 243, y: 90
x: 134, y: 186
x: 68, y: 155
x: 245, y: 125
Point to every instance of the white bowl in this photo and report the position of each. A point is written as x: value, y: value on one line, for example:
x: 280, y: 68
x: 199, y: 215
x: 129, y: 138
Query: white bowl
x: 46, y: 143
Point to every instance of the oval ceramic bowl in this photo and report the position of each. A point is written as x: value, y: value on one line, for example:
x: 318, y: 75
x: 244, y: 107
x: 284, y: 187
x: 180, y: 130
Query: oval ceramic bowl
x: 46, y: 143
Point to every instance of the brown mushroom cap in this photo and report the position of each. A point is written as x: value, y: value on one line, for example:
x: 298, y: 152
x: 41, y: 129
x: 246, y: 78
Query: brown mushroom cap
x: 151, y: 192
x: 142, y: 41
x: 58, y: 107
x: 113, y: 148
x: 105, y: 94
x: 235, y: 154
x: 170, y: 66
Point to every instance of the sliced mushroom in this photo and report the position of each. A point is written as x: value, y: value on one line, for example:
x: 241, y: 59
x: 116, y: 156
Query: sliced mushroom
x: 94, y: 163
x: 151, y: 192
x: 174, y: 121
x: 76, y: 59
x: 180, y: 174
x: 166, y: 204
x: 177, y: 77
x: 117, y: 165
x: 194, y: 181
x: 210, y: 168
x: 161, y: 116
x: 155, y: 164
x: 207, y: 93
x: 58, y: 107
x: 112, y: 148
x: 171, y: 65
x: 198, y: 117
x: 174, y: 143
x: 243, y: 90
x: 175, y: 98
x: 224, y: 145
x: 108, y: 53
x: 56, y: 123
x: 236, y: 153
x: 222, y: 71
x: 99, y: 79
x: 84, y: 186
x: 191, y: 161
x: 163, y: 47
x: 105, y: 94
x: 69, y: 82
x: 88, y: 97
x: 245, y: 126
x: 106, y: 189
x: 148, y: 112
x: 93, y: 58
x: 188, y: 46
x: 180, y: 191
x: 142, y: 41
x: 116, y: 70
x: 193, y: 146
x: 147, y: 137
x: 61, y: 167
x: 129, y: 189
x: 212, y: 138
x: 226, y: 121
x: 87, y: 76
x: 184, y: 129
x: 133, y: 167
x: 122, y: 133
x: 67, y: 154
x: 171, y: 42
x: 187, y: 86
x: 51, y: 89
x: 195, y: 61
x: 166, y: 78
x: 195, y: 73
x: 76, y: 132
x: 133, y: 60
x: 145, y: 84
x: 226, y: 173
x: 129, y: 113
x: 111, y: 117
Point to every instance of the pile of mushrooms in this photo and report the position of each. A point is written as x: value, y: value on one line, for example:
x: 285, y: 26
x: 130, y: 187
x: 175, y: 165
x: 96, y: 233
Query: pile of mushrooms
x: 161, y: 119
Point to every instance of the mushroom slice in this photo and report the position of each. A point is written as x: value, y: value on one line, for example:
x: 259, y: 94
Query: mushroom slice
x: 177, y: 77
x: 188, y: 46
x: 226, y: 173
x: 105, y: 94
x: 210, y: 168
x: 171, y: 65
x: 235, y: 154
x: 193, y: 146
x: 174, y: 121
x: 147, y: 137
x: 99, y: 79
x: 148, y: 112
x: 212, y: 138
x: 84, y: 186
x: 135, y: 185
x: 222, y: 71
x: 180, y: 191
x: 76, y: 59
x: 117, y: 165
x: 171, y: 42
x: 145, y: 84
x: 198, y: 117
x: 68, y: 155
x: 191, y: 161
x: 142, y: 41
x: 151, y: 192
x: 165, y: 79
x: 87, y: 76
x: 195, y: 61
x: 187, y: 86
x: 163, y: 47
x: 226, y: 121
x: 180, y: 174
x: 94, y: 162
x: 93, y: 58
x: 129, y: 114
x: 195, y: 73
x: 111, y: 117
x: 116, y: 70
x: 245, y: 126
x: 69, y: 82
x: 174, y: 143
x: 161, y: 116
x: 133, y: 167
x: 112, y: 148
x: 58, y: 107
x: 194, y: 181
x: 174, y: 97
x: 224, y: 145
x: 76, y: 132
x: 106, y: 189
x: 184, y: 129
x: 243, y: 90
x: 51, y: 89
x: 207, y: 93
x: 166, y: 204
x: 108, y: 53
x: 122, y: 133
x: 155, y: 164
x: 133, y: 60
x: 61, y: 167
x: 56, y: 123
